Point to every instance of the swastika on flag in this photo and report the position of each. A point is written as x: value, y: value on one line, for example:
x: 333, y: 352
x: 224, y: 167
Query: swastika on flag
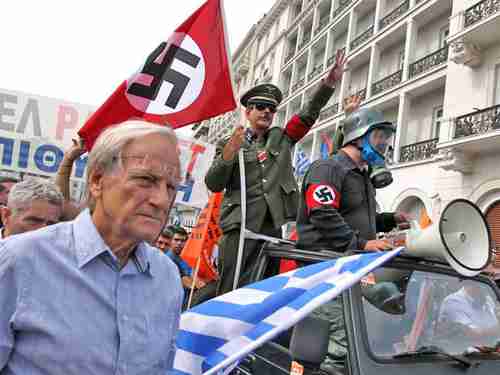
x: 171, y: 79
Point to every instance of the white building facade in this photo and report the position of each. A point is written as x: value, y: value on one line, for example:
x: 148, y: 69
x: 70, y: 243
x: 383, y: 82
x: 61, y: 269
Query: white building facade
x: 431, y: 66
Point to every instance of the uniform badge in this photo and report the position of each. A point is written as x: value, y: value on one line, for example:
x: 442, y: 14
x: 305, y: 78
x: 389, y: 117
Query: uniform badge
x: 262, y: 156
x: 296, y: 368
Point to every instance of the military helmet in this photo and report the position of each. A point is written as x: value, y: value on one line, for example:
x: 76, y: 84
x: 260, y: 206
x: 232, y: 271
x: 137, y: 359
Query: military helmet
x: 358, y: 123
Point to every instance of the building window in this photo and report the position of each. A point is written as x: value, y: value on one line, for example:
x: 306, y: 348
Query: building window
x: 437, y: 117
x: 443, y: 34
x: 497, y: 85
x: 271, y: 62
x: 401, y: 62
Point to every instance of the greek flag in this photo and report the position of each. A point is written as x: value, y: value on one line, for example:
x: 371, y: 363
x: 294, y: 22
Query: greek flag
x: 215, y: 335
x: 302, y: 163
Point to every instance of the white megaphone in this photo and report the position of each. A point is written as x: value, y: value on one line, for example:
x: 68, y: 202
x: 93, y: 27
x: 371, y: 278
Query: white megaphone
x: 461, y: 237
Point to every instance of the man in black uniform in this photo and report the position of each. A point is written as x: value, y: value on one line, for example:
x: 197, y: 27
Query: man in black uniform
x: 271, y: 189
x: 337, y: 210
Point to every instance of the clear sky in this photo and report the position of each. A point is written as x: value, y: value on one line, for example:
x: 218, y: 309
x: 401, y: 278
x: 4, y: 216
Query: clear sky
x: 80, y: 51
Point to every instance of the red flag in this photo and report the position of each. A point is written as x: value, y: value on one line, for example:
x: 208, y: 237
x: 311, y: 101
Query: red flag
x: 185, y: 79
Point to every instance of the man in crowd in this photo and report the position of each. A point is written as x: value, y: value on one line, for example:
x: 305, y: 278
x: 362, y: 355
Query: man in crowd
x: 6, y: 184
x: 179, y: 239
x: 88, y: 296
x: 32, y: 204
x: 337, y: 209
x: 469, y: 314
x: 164, y: 239
x: 270, y: 186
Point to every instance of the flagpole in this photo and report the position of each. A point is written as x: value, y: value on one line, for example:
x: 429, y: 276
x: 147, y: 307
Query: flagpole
x: 241, y: 243
x: 195, y: 279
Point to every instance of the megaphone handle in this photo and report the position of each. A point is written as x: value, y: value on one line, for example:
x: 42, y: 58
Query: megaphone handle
x: 414, y: 225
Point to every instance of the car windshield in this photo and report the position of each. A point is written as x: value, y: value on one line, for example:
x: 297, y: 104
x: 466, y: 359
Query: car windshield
x: 423, y: 309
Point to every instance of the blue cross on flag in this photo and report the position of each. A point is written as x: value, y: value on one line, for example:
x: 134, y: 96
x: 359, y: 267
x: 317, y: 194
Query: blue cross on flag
x: 215, y: 335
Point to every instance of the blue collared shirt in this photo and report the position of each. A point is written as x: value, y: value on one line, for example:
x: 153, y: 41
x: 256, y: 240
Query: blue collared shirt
x: 183, y: 267
x: 67, y: 308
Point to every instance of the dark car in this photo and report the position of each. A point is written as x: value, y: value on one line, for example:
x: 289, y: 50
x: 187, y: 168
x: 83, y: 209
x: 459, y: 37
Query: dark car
x: 418, y: 326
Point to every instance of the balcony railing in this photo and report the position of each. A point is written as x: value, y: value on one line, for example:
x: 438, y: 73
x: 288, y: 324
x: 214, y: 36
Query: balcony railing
x: 341, y: 7
x: 394, y: 15
x: 361, y: 38
x: 298, y: 84
x: 266, y: 79
x: 387, y: 82
x: 479, y: 122
x: 419, y: 151
x: 329, y: 112
x: 331, y: 59
x: 289, y: 56
x: 428, y: 62
x: 306, y: 38
x: 322, y: 23
x: 298, y: 10
x: 316, y: 70
x: 481, y: 10
x: 361, y: 93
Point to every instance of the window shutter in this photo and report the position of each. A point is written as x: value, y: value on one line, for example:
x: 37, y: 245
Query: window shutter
x: 493, y: 219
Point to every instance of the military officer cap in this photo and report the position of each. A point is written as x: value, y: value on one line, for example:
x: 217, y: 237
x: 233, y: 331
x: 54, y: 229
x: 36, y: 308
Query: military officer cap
x: 265, y: 93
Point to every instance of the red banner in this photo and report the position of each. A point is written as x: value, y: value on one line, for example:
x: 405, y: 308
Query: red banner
x: 186, y: 79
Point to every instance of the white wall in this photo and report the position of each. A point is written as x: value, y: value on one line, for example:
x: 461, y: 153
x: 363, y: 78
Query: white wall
x: 390, y: 5
x: 469, y: 88
x: 428, y: 36
x: 391, y: 114
x: 417, y: 181
x: 359, y: 77
x: 364, y: 22
x: 389, y: 60
x: 419, y: 126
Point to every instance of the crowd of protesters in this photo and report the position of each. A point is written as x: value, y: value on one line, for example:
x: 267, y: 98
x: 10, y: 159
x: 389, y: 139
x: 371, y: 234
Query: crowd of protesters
x: 93, y: 275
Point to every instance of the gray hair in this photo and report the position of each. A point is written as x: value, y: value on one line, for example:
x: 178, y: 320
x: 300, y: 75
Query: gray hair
x: 105, y: 154
x: 25, y: 192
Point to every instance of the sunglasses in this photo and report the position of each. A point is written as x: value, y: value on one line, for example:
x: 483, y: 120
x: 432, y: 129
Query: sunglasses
x: 262, y: 107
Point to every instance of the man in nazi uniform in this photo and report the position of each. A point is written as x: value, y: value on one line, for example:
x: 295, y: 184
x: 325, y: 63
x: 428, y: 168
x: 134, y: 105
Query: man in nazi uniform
x: 337, y: 210
x: 270, y: 186
x: 338, y: 207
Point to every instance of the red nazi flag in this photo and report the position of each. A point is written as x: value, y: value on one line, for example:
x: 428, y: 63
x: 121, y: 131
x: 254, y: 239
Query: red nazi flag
x: 186, y: 79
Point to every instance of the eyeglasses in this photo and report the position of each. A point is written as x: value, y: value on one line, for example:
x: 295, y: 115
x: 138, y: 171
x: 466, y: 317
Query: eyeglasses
x: 262, y: 107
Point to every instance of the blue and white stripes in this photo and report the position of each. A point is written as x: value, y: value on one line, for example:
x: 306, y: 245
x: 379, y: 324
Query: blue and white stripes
x: 302, y: 163
x: 221, y: 331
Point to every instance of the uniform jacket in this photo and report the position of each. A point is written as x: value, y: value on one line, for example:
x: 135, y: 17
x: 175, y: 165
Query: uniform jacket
x: 270, y: 183
x: 337, y: 208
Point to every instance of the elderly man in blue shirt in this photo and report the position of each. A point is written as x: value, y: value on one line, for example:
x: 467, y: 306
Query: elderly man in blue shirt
x: 88, y: 296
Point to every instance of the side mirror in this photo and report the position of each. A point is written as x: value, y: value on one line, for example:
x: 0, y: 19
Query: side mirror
x: 309, y: 343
